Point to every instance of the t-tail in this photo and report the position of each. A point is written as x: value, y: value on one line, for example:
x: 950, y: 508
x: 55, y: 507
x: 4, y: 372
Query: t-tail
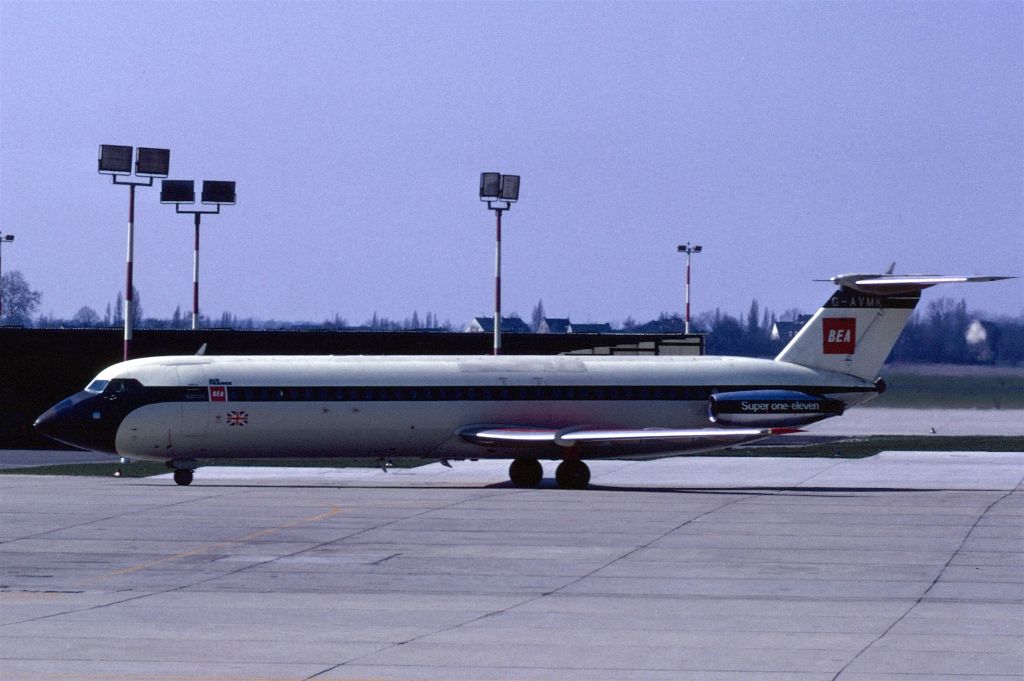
x: 855, y: 330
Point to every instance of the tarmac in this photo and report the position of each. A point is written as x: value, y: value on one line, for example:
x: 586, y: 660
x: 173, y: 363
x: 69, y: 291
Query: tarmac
x: 905, y: 565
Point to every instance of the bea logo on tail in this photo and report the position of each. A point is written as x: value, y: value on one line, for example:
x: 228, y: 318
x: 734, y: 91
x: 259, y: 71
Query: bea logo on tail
x: 839, y: 335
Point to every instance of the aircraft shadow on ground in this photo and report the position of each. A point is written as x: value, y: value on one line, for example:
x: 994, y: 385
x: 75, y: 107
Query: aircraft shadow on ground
x: 782, y: 490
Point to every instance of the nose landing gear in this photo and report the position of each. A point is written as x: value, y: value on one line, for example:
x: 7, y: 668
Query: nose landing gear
x: 183, y: 470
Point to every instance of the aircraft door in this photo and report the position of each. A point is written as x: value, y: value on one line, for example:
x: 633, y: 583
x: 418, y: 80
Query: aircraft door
x: 196, y: 410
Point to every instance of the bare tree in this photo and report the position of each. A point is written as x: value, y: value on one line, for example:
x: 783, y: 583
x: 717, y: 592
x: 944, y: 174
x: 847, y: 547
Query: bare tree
x: 86, y: 316
x: 19, y: 300
x: 537, y: 316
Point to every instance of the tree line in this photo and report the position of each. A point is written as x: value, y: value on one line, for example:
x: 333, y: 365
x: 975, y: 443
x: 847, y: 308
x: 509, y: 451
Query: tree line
x: 943, y: 332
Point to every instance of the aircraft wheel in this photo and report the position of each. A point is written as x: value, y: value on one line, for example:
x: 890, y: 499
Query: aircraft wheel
x: 183, y: 476
x: 572, y: 474
x: 525, y: 472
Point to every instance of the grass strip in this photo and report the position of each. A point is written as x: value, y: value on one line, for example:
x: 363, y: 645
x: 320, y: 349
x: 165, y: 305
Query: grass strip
x: 861, y: 447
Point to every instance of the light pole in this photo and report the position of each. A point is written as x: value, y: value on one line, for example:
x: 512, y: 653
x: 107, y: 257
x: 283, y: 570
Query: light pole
x: 500, y: 192
x: 183, y: 191
x: 116, y: 160
x: 688, y: 250
x: 4, y: 239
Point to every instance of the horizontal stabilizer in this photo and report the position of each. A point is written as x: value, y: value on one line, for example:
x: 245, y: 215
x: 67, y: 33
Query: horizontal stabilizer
x: 891, y: 284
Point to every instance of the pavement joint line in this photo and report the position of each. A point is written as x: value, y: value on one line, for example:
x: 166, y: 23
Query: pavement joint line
x: 964, y: 622
x: 243, y: 568
x: 821, y: 472
x: 547, y: 594
x: 335, y: 510
x: 924, y: 594
x: 104, y: 519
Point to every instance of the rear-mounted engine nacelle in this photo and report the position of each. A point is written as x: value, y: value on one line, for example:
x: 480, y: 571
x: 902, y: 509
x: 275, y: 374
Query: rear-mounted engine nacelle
x: 770, y: 408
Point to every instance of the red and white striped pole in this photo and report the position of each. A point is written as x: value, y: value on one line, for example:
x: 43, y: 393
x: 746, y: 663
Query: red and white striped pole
x: 688, y: 291
x: 503, y: 190
x: 497, y: 286
x: 195, y: 277
x: 689, y: 250
x: 128, y: 274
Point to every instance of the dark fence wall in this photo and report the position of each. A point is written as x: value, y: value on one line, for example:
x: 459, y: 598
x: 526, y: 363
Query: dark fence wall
x: 39, y: 367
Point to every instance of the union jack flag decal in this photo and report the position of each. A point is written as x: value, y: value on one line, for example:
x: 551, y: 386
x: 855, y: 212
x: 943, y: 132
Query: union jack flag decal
x: 238, y: 418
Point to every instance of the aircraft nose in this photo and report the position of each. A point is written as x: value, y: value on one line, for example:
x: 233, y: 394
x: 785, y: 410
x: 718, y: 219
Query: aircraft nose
x: 55, y: 422
x: 72, y: 422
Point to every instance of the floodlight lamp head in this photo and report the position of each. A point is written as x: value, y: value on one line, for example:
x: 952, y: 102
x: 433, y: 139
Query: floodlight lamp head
x: 218, y: 192
x: 698, y: 249
x: 152, y: 162
x: 115, y: 159
x: 490, y: 186
x: 8, y: 237
x: 510, y: 188
x: 178, y: 191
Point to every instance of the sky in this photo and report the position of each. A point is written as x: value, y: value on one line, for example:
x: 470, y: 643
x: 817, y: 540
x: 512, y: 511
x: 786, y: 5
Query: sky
x: 793, y: 140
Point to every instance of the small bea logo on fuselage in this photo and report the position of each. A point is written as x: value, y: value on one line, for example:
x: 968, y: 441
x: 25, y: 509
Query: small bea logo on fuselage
x: 839, y: 335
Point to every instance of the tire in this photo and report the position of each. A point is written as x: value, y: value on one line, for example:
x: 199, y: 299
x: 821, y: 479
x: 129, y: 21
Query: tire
x: 525, y: 472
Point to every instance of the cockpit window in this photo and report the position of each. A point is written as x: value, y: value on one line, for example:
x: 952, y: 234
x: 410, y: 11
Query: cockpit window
x: 122, y: 386
x: 96, y: 386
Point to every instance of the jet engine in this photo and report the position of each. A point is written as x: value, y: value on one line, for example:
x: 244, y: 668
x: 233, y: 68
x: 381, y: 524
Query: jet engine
x: 771, y: 408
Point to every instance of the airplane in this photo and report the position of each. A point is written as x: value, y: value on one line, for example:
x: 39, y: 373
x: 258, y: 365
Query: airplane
x: 183, y: 410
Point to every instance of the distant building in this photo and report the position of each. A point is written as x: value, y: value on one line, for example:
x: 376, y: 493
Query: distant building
x: 559, y: 325
x: 783, y: 332
x: 553, y: 325
x: 508, y: 325
x: 982, y: 340
x: 673, y: 324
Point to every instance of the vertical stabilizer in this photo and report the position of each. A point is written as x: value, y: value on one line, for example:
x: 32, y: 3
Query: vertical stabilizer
x: 852, y: 333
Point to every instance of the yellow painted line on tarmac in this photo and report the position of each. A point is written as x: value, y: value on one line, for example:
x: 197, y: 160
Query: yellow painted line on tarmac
x: 335, y: 510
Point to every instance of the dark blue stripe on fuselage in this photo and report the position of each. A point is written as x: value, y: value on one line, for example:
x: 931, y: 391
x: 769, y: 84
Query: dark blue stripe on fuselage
x: 491, y: 393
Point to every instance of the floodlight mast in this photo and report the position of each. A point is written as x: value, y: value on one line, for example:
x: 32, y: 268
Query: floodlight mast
x: 688, y: 250
x: 4, y: 239
x: 116, y: 160
x: 183, y: 191
x: 502, y: 190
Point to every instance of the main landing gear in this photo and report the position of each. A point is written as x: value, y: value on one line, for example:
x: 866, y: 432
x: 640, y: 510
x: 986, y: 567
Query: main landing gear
x: 525, y: 472
x: 183, y: 476
x: 570, y: 474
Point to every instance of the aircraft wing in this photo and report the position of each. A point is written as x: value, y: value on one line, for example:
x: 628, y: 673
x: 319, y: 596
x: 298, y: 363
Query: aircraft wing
x: 566, y: 437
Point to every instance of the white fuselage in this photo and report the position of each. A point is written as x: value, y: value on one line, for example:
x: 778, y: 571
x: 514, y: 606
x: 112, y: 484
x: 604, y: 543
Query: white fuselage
x: 290, y: 406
